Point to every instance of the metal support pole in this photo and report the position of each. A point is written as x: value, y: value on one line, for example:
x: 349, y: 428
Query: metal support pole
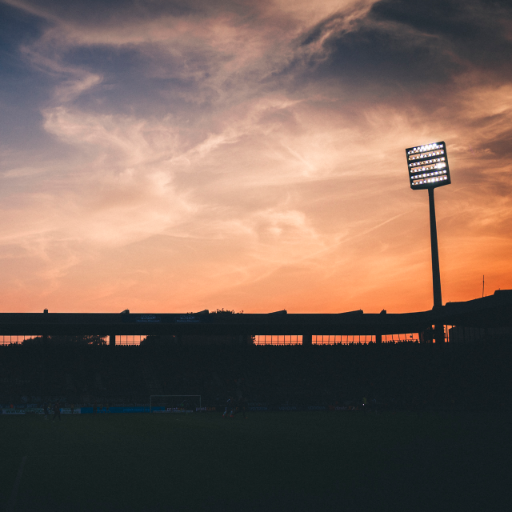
x: 436, y: 275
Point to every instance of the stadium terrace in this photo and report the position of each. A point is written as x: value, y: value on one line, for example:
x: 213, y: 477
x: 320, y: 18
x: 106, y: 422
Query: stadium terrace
x: 494, y: 311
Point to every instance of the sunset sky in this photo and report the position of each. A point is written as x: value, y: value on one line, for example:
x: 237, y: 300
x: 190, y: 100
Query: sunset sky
x: 175, y: 156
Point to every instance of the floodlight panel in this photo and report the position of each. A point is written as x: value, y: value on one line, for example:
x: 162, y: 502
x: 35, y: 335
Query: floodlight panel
x: 428, y: 166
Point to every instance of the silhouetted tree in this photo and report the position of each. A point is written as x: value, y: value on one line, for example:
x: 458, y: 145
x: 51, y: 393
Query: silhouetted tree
x: 63, y: 340
x: 226, y: 312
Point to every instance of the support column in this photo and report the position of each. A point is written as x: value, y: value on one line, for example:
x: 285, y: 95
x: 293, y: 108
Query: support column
x: 436, y: 275
x: 307, y: 340
x: 378, y: 339
x: 45, y: 333
x: 439, y: 333
x: 112, y: 340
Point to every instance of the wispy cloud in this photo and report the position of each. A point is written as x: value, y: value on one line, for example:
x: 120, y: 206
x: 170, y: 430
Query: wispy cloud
x: 175, y: 155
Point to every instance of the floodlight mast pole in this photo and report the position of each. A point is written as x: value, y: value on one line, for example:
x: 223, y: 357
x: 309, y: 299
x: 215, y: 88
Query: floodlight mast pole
x: 436, y: 275
x: 428, y: 168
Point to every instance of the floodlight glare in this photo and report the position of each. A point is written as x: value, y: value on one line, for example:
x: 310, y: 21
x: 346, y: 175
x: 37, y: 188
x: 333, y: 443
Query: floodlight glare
x: 428, y: 166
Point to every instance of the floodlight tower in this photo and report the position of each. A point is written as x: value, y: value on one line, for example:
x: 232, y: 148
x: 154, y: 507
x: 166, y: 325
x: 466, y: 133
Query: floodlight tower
x: 428, y: 168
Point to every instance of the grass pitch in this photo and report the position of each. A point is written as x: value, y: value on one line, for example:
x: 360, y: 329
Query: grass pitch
x: 270, y: 461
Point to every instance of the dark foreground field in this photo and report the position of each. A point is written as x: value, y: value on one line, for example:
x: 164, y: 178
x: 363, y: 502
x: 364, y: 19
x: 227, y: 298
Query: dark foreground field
x: 270, y: 461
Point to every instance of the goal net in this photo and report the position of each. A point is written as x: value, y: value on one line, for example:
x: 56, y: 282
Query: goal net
x: 174, y: 403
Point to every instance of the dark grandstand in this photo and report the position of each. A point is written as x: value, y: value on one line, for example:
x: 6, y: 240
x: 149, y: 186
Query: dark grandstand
x: 486, y: 313
x: 470, y: 370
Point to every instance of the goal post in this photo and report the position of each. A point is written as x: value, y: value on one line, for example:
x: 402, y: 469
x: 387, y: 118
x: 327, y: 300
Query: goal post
x: 174, y: 403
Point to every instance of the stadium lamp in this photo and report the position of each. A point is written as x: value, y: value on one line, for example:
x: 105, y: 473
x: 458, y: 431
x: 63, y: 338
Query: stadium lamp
x: 428, y: 166
x: 428, y: 169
